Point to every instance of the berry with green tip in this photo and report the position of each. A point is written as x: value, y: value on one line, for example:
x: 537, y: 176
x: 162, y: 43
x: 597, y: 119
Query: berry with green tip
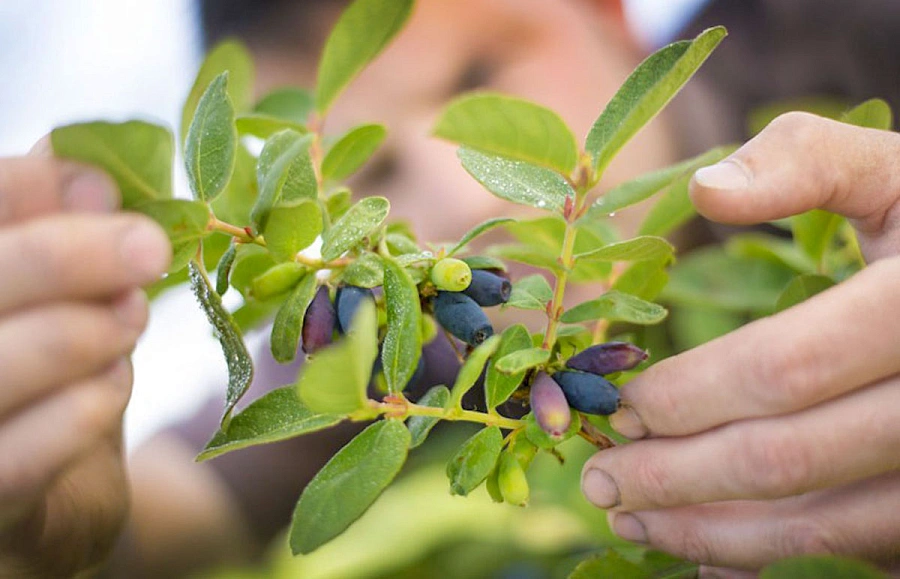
x: 451, y: 274
x: 318, y: 322
x: 346, y: 303
x: 488, y: 289
x: 461, y: 316
x: 549, y: 405
x: 607, y: 358
x: 512, y: 481
x: 588, y: 392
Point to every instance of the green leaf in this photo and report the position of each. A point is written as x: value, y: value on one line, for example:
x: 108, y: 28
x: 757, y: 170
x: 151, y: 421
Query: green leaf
x: 352, y: 151
x: 537, y: 256
x: 279, y: 415
x: 801, y: 288
x: 182, y: 220
x: 671, y: 211
x: 646, y: 92
x: 541, y: 439
x: 821, y: 567
x: 403, y: 340
x: 366, y: 271
x: 223, y: 269
x: 285, y: 173
x: 547, y: 231
x: 641, y: 248
x: 348, y: 485
x: 420, y: 426
x: 616, y: 307
x: 479, y: 229
x: 644, y: 186
x: 358, y: 222
x: 530, y: 293
x: 212, y: 141
x: 509, y: 127
x: 872, y: 114
x: 292, y: 227
x: 234, y: 204
x: 277, y: 280
x: 240, y: 365
x: 289, y: 320
x: 813, y: 232
x: 290, y: 104
x: 250, y: 262
x: 362, y: 31
x: 474, y: 460
x: 471, y: 370
x: 338, y: 202
x: 232, y: 56
x: 334, y: 381
x: 644, y: 279
x: 264, y: 126
x: 609, y: 564
x: 498, y: 387
x: 770, y: 248
x: 517, y: 181
x: 137, y: 155
x: 484, y: 262
x: 521, y: 360
x: 691, y: 326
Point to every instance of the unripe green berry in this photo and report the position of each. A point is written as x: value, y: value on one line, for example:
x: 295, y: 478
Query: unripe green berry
x: 277, y: 280
x: 451, y: 274
x: 512, y: 481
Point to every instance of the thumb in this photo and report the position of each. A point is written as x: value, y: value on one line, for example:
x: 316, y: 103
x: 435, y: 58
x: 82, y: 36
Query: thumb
x: 802, y: 162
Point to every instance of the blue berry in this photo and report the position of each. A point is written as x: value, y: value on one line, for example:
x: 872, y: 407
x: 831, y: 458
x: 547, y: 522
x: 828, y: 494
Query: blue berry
x: 488, y: 289
x: 551, y: 410
x: 607, y: 358
x: 588, y: 392
x: 346, y: 302
x: 318, y: 322
x: 462, y: 317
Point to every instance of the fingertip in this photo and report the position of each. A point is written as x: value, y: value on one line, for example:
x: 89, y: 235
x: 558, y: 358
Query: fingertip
x: 628, y: 423
x: 720, y: 191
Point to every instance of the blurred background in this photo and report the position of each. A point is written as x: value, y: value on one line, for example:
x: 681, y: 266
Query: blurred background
x: 69, y: 60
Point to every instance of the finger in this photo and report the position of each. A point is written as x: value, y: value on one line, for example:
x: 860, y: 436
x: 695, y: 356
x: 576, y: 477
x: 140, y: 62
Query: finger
x: 41, y: 441
x: 836, y: 341
x: 79, y: 256
x: 47, y: 347
x: 801, y: 162
x: 859, y: 520
x: 846, y: 439
x: 36, y: 185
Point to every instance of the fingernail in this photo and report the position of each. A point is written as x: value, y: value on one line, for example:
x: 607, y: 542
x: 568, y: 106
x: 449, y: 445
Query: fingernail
x: 727, y: 175
x: 146, y: 251
x: 90, y: 191
x: 132, y: 309
x: 627, y: 526
x: 600, y: 489
x: 627, y: 423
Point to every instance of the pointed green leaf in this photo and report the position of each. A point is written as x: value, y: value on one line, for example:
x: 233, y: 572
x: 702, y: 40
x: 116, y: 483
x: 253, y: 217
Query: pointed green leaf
x: 814, y: 231
x: 211, y: 144
x: 547, y: 231
x: 530, y: 293
x: 348, y: 485
x: 277, y: 280
x: 237, y: 358
x: 509, y: 127
x: 644, y: 94
x: 366, y: 271
x: 334, y: 381
x: 499, y: 387
x: 285, y: 337
x: 537, y: 256
x: 362, y: 31
x: 518, y: 362
x: 768, y: 247
x: 264, y: 126
x: 474, y: 460
x: 285, y: 173
x: 231, y: 56
x: 234, y: 204
x: 643, y: 248
x: 279, y: 415
x: 479, y: 229
x: 403, y: 340
x: 338, y: 202
x: 616, y: 307
x: 292, y: 227
x: 672, y: 210
x: 471, y: 370
x: 420, y: 426
x: 352, y: 151
x: 484, y: 262
x: 181, y: 219
x: 223, y: 269
x: 137, y: 155
x: 821, y: 567
x: 290, y: 104
x: 801, y: 288
x: 872, y: 114
x: 517, y: 181
x: 358, y: 222
x: 250, y: 262
x: 644, y: 279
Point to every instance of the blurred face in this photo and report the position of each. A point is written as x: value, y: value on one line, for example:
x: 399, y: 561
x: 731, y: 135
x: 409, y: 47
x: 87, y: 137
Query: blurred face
x: 559, y: 53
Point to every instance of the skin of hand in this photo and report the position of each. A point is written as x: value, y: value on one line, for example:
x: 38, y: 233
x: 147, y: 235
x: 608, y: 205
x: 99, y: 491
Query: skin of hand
x: 71, y: 310
x: 780, y: 438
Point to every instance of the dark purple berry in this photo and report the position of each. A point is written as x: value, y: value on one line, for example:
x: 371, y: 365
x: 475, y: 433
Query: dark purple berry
x: 588, y: 392
x: 318, y: 322
x: 551, y: 411
x: 346, y: 302
x: 462, y: 317
x: 607, y: 358
x: 488, y: 289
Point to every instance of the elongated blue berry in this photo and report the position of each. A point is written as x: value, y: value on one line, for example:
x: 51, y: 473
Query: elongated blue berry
x: 607, y: 358
x: 551, y: 410
x: 488, y: 289
x: 588, y: 392
x: 462, y: 317
x: 318, y: 322
x: 346, y: 302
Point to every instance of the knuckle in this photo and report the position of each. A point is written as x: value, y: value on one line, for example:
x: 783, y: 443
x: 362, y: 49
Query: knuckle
x: 796, y: 125
x: 786, y: 376
x: 694, y: 545
x: 772, y: 463
x: 95, y: 408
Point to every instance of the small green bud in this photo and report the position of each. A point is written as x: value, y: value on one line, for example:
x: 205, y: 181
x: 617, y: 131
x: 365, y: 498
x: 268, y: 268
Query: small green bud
x: 493, y: 486
x: 512, y: 480
x: 451, y: 274
x: 277, y: 280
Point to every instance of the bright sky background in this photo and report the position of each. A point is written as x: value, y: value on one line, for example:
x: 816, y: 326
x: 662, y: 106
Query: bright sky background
x: 70, y: 60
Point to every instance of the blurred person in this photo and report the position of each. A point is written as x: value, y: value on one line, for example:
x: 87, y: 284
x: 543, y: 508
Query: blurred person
x: 746, y: 425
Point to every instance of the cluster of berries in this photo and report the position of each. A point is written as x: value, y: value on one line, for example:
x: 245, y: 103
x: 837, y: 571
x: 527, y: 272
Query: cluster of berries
x: 462, y: 292
x: 323, y: 318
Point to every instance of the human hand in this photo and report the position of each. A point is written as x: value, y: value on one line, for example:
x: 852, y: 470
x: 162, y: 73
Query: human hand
x: 780, y: 438
x: 70, y: 313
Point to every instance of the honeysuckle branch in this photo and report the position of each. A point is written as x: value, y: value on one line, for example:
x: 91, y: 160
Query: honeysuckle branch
x: 400, y: 407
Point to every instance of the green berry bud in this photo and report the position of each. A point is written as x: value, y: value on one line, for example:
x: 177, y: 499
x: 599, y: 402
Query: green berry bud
x: 493, y: 486
x: 452, y: 275
x: 276, y: 280
x: 512, y: 481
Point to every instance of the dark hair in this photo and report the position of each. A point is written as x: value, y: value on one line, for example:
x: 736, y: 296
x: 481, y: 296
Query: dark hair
x: 296, y: 24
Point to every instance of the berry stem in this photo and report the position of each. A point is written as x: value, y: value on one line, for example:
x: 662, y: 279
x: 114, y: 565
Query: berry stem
x: 398, y: 407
